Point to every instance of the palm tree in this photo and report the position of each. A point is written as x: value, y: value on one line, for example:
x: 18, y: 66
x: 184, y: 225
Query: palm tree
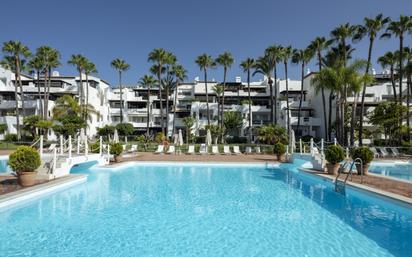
x: 147, y: 81
x: 408, y: 73
x: 67, y: 105
x: 51, y: 59
x: 275, y: 52
x: 180, y: 75
x: 389, y: 60
x: 265, y: 65
x: 340, y: 35
x: 16, y: 52
x: 121, y: 66
x: 37, y: 66
x: 218, y: 90
x: 302, y: 56
x: 318, y: 45
x: 247, y: 65
x: 225, y: 60
x: 79, y: 61
x: 170, y: 61
x: 206, y: 62
x: 89, y: 68
x: 159, y: 57
x: 287, y: 53
x: 370, y: 28
x: 189, y: 122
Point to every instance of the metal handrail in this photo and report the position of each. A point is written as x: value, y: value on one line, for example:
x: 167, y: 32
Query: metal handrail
x: 342, y: 169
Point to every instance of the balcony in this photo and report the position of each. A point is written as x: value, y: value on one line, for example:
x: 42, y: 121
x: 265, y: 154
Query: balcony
x: 368, y: 99
x: 306, y: 121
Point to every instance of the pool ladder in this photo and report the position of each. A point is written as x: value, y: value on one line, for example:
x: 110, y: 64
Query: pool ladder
x: 340, y: 185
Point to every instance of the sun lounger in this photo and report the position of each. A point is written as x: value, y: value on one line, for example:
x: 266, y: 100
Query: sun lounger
x: 132, y: 149
x: 191, y: 149
x: 248, y: 150
x: 236, y: 150
x: 383, y: 151
x: 226, y: 150
x: 160, y: 149
x: 203, y: 149
x: 395, y: 152
x: 257, y: 150
x: 171, y: 149
x: 375, y: 153
x: 215, y: 149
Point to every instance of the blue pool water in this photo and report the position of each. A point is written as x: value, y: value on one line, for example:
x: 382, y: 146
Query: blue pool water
x: 3, y: 164
x: 396, y: 170
x: 172, y: 210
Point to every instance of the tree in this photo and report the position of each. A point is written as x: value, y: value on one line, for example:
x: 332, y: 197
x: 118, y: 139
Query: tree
x: 272, y: 134
x: 189, y: 122
x: 159, y: 57
x: 206, y: 62
x: 247, y: 66
x: 318, y: 45
x: 232, y: 122
x: 265, y: 65
x: 69, y: 125
x: 30, y: 123
x: 340, y: 35
x: 408, y: 73
x: 370, y: 29
x: 79, y: 61
x: 106, y: 131
x: 89, y: 68
x: 43, y: 126
x: 147, y: 81
x: 389, y: 60
x: 3, y: 128
x: 225, y: 60
x: 169, y: 83
x: 180, y: 75
x: 275, y: 55
x: 67, y: 105
x: 287, y: 53
x: 215, y: 131
x: 302, y: 56
x: 218, y: 90
x: 36, y: 65
x: 120, y: 66
x: 125, y: 129
x: 15, y: 52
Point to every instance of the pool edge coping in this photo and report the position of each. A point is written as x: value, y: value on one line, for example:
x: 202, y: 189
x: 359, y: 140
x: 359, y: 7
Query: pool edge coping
x: 14, y: 198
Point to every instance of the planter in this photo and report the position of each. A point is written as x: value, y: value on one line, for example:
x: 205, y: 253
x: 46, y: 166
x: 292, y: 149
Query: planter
x: 27, y: 178
x: 365, y: 168
x: 332, y: 168
x: 118, y: 158
x: 281, y: 157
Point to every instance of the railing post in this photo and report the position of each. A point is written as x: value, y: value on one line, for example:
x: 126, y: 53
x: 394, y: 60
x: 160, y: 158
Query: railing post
x: 61, y: 145
x: 300, y: 146
x: 335, y: 142
x: 86, y: 147
x: 312, y: 152
x: 41, y: 146
x: 54, y: 160
x: 100, y: 146
x: 70, y: 146
x: 78, y: 145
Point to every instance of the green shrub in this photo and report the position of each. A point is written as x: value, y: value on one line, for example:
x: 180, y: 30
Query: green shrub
x: 334, y: 154
x: 236, y: 140
x: 279, y: 149
x: 10, y: 137
x: 25, y: 158
x: 95, y: 147
x: 159, y: 138
x: 124, y: 129
x: 116, y: 149
x: 364, y: 153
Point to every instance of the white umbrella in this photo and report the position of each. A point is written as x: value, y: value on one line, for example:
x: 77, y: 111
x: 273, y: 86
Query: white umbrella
x: 180, y: 137
x: 116, y: 136
x: 175, y: 139
x: 208, y: 138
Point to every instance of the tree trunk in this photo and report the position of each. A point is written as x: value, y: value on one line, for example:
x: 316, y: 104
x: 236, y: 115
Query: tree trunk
x: 353, y: 120
x: 400, y: 82
x: 393, y: 84
x: 16, y: 96
x: 250, y: 107
x: 39, y: 93
x: 276, y: 94
x: 174, y: 107
x: 327, y: 134
x: 301, y: 98
x: 287, y: 97
x: 167, y: 111
x: 48, y: 88
x: 86, y: 114
x: 223, y: 103
x: 362, y: 110
x: 21, y: 86
x: 330, y: 116
x: 207, y: 98
x: 148, y: 113
x: 161, y: 98
x: 408, y: 87
x: 121, y: 96
x: 271, y: 99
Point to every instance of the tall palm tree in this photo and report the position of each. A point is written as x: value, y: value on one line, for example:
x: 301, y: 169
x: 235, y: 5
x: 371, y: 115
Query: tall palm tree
x: 275, y: 53
x: 120, y: 66
x: 247, y: 66
x: 89, y: 68
x: 67, y: 105
x: 51, y: 59
x: 287, y: 53
x: 408, y: 73
x: 206, y: 62
x: 159, y: 57
x: 390, y: 60
x: 180, y: 75
x: 16, y: 52
x: 147, y: 81
x: 225, y: 60
x: 370, y: 29
x: 218, y: 90
x: 302, y: 56
x: 79, y: 61
x: 264, y: 65
x: 37, y: 66
x: 168, y: 83
x: 318, y: 45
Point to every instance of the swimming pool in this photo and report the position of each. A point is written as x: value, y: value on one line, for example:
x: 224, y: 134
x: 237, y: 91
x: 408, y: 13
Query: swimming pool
x: 205, y: 210
x: 3, y: 164
x: 400, y: 170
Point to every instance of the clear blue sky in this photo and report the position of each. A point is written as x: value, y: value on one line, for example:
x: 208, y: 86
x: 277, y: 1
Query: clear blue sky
x: 104, y: 30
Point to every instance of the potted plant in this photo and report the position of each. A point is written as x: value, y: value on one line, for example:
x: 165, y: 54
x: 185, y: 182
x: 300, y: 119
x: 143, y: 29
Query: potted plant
x: 279, y: 149
x: 24, y: 162
x: 334, y: 154
x: 116, y: 149
x: 366, y: 155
